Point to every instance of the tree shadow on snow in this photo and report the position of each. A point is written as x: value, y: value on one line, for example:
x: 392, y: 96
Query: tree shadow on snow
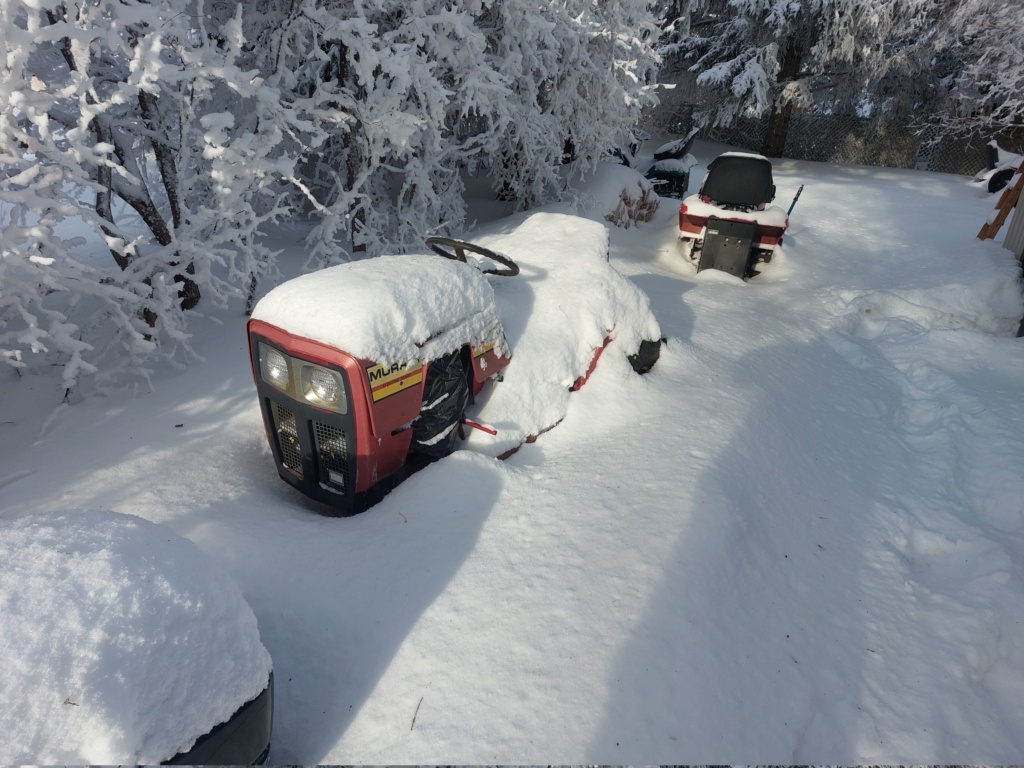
x: 753, y: 642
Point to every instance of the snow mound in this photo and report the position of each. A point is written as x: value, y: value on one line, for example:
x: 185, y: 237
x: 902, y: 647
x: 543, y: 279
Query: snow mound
x: 388, y: 309
x: 619, y: 194
x: 557, y: 313
x: 993, y: 306
x: 121, y: 642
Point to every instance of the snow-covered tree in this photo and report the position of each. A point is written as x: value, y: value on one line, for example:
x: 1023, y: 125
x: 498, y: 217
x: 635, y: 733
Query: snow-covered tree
x: 768, y: 56
x: 146, y: 144
x: 582, y: 70
x: 431, y: 90
x: 986, y: 43
x: 125, y: 195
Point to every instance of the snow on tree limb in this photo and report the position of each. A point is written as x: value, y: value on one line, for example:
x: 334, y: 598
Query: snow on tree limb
x: 168, y: 135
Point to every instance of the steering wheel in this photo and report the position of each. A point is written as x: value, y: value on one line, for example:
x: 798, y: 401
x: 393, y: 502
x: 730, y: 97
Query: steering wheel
x: 456, y: 250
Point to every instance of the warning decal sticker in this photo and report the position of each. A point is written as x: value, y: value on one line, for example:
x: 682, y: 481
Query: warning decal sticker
x: 389, y: 380
x: 483, y: 350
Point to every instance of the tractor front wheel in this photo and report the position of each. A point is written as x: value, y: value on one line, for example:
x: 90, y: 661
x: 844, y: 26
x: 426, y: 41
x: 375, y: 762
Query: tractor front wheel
x: 646, y: 356
x: 445, y: 398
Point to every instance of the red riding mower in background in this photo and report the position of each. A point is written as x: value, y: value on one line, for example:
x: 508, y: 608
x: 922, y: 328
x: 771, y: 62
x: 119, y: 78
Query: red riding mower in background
x: 730, y: 224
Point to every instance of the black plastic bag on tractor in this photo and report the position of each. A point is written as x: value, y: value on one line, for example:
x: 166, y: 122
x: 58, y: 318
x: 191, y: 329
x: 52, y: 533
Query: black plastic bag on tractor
x: 445, y: 397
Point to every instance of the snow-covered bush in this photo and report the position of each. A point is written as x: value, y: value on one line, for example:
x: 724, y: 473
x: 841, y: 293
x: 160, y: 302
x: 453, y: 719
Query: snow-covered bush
x: 127, y: 195
x: 617, y: 194
x: 584, y: 70
x: 145, y: 146
x: 431, y: 90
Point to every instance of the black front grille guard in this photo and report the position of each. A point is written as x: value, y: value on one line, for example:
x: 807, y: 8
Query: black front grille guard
x: 314, y: 449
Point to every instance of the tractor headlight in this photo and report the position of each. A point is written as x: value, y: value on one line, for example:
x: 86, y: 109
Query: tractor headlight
x: 303, y: 380
x: 274, y: 367
x: 323, y: 388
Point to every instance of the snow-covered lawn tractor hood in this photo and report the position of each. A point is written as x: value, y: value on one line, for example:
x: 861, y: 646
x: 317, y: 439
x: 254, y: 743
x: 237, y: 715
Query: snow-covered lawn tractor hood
x: 389, y: 309
x: 341, y: 358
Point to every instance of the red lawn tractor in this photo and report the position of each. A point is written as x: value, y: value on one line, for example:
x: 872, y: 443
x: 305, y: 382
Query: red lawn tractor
x: 365, y: 370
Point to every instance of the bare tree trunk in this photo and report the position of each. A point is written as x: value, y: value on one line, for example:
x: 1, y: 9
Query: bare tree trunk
x: 778, y: 120
x: 104, y: 194
x: 141, y: 200
x: 103, y: 173
x: 164, y: 157
x: 351, y: 153
x: 778, y: 128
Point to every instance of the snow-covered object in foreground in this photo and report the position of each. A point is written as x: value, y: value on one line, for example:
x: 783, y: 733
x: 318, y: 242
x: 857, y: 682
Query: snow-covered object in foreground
x: 365, y: 371
x: 345, y: 358
x: 672, y: 164
x: 730, y: 224
x: 676, y: 149
x: 672, y: 175
x: 1002, y: 167
x: 120, y: 642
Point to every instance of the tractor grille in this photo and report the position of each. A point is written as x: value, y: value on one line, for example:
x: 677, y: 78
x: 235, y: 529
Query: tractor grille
x: 332, y: 453
x: 288, y: 439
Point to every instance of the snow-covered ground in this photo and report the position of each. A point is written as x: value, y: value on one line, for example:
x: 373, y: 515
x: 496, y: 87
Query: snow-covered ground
x: 799, y: 539
x: 119, y: 639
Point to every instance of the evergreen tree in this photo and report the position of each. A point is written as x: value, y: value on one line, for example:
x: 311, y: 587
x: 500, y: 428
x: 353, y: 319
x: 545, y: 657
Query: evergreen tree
x: 985, y: 42
x: 753, y: 57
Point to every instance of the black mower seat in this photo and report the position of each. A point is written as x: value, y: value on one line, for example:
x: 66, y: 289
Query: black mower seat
x: 739, y: 180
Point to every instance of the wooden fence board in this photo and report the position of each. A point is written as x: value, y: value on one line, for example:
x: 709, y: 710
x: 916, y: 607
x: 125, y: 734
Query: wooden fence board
x: 1006, y: 203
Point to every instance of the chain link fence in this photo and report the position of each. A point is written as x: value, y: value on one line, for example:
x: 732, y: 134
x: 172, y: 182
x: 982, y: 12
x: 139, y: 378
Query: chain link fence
x: 848, y: 139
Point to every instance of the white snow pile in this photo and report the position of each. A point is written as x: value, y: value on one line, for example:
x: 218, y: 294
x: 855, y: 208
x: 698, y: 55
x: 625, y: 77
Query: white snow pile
x: 614, y: 187
x: 120, y: 642
x: 557, y: 313
x: 390, y: 309
x: 992, y: 305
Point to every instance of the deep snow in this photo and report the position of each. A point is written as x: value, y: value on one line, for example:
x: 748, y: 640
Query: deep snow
x: 119, y: 639
x: 565, y: 302
x: 799, y: 539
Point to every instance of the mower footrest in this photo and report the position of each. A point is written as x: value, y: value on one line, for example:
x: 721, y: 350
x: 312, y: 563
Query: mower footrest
x: 727, y: 246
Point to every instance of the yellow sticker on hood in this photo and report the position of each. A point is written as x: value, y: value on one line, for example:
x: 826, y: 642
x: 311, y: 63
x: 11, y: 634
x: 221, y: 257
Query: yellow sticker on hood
x: 387, y: 380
